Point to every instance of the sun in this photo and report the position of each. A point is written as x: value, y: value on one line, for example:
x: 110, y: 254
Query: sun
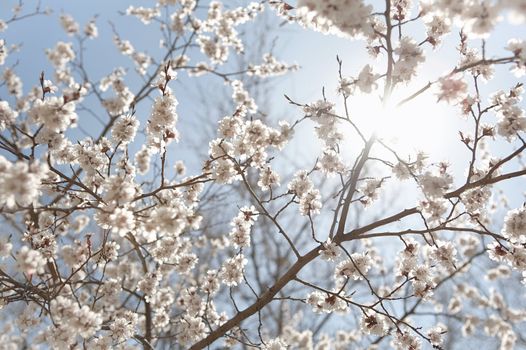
x: 422, y: 124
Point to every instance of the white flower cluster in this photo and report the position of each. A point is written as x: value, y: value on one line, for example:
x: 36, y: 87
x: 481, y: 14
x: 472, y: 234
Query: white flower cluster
x: 5, y: 247
x: 452, y: 90
x: 268, y: 178
x: 309, y: 196
x: 55, y: 115
x: 436, y: 335
x: 7, y: 115
x: 161, y: 125
x: 444, y: 254
x: 124, y: 46
x: 354, y: 268
x: 515, y: 225
x: 68, y: 24
x: 120, y: 220
x: 179, y: 250
x: 410, y: 55
x: 518, y: 48
x: 240, y: 233
x: 88, y: 155
x: 404, y: 340
x: 322, y: 113
x: 434, y: 185
x: 142, y: 60
x: 118, y: 189
x: 247, y: 141
x: 374, y: 324
x: 310, y: 202
x: 275, y: 344
x: 20, y: 182
x: 331, y: 163
x: 329, y: 251
x: 91, y: 30
x: 72, y: 320
x: 171, y: 218
x: 407, y: 259
x: 61, y: 55
x: 191, y: 329
x: 437, y: 27
x: 326, y: 303
x: 144, y: 14
x: 408, y: 267
x: 478, y: 17
x: 74, y: 255
x: 245, y: 104
x: 301, y: 183
x: 123, y: 98
x: 343, y: 17
x: 470, y: 58
x: 149, y: 283
x: 510, y: 114
x: 365, y: 82
x: 30, y: 261
x: 124, y: 130
x: 13, y: 83
x: 370, y: 191
x: 217, y: 34
x: 123, y: 327
x: 270, y: 67
x: 404, y: 170
x: 475, y: 200
x: 232, y: 271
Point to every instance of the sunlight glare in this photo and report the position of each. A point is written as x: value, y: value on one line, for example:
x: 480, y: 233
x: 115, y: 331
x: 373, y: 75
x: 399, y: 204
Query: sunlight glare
x: 417, y: 125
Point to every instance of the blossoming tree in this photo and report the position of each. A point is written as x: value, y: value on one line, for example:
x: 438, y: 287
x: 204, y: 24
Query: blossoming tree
x: 106, y: 243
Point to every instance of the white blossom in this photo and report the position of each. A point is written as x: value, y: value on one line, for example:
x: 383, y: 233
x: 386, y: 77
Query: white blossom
x: 301, y: 183
x: 20, y: 182
x: 347, y: 18
x: 405, y: 340
x: 124, y: 130
x: 241, y: 226
x: 518, y: 48
x: 161, y: 125
x: 7, y: 115
x: 374, y: 324
x: 515, y: 225
x: 232, y: 271
x: 91, y: 30
x: 310, y: 202
x: 330, y: 251
x: 410, y: 55
x: 366, y: 81
x: 121, y: 221
x: 68, y: 24
x: 331, y: 163
x: 30, y: 261
x: 451, y: 90
x: 191, y: 329
x: 354, y: 268
x: 77, y: 319
x: 268, y: 178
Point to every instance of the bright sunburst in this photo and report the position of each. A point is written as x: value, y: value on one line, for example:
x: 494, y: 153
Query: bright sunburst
x: 419, y: 124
